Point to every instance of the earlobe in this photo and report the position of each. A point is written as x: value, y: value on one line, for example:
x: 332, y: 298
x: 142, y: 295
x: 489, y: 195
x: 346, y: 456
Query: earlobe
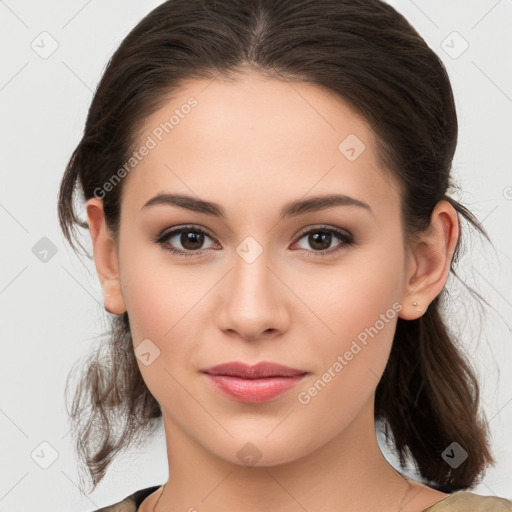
x: 105, y: 257
x: 430, y: 261
x: 415, y: 303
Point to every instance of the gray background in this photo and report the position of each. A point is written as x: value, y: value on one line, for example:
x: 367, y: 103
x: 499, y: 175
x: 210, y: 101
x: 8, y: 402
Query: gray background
x: 51, y: 305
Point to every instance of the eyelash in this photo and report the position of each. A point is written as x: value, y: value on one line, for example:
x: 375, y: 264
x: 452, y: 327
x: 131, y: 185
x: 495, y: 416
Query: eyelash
x: 345, y: 237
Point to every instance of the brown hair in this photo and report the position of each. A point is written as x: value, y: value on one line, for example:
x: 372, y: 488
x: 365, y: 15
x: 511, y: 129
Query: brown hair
x: 367, y: 53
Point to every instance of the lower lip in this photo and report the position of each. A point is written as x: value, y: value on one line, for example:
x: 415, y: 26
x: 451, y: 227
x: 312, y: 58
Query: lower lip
x: 253, y: 391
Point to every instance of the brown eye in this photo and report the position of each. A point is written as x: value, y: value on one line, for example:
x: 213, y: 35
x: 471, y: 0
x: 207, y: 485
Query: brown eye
x: 191, y: 240
x: 320, y: 240
x: 185, y: 241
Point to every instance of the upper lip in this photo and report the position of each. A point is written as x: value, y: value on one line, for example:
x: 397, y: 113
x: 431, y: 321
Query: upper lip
x: 260, y: 370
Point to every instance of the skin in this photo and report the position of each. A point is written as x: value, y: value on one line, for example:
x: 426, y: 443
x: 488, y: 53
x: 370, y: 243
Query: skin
x: 253, y: 145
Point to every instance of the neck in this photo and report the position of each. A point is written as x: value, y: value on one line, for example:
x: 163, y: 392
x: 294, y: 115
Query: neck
x: 349, y: 472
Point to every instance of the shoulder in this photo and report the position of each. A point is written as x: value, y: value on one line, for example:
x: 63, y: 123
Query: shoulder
x: 130, y: 503
x: 465, y: 501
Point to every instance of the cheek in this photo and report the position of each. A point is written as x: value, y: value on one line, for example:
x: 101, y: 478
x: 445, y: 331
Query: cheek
x: 161, y: 315
x: 157, y: 293
x: 165, y: 304
x: 363, y: 292
x: 351, y: 362
x: 360, y: 308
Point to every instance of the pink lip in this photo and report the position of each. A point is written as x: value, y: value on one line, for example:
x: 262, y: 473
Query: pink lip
x: 253, y: 384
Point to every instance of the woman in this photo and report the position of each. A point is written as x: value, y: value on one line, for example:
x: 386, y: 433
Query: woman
x: 267, y: 193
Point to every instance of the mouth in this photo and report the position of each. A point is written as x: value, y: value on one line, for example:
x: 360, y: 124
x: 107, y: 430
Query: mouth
x: 253, y: 384
x: 257, y: 371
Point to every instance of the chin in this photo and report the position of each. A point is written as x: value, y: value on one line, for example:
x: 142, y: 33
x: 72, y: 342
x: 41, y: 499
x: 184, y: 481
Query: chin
x: 259, y: 451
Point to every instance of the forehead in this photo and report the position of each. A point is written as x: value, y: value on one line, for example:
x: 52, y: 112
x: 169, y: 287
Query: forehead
x: 252, y: 136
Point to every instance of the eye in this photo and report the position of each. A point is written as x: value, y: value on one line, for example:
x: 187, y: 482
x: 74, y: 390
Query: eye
x: 321, y: 238
x: 190, y: 238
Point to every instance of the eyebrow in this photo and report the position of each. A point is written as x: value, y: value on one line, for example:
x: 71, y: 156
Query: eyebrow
x: 292, y: 209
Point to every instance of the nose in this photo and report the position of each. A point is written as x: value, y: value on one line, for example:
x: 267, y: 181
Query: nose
x: 253, y: 301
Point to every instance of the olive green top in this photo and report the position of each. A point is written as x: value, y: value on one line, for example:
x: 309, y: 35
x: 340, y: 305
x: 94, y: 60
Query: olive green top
x: 465, y: 501
x: 460, y: 501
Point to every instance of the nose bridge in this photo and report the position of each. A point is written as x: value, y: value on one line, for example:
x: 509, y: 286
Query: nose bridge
x: 252, y: 302
x: 251, y: 267
x: 251, y: 274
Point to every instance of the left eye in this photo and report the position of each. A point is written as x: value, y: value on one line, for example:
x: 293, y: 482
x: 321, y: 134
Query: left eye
x: 321, y: 238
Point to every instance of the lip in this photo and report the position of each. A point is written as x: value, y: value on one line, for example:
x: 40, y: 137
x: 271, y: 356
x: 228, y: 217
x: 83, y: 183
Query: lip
x: 260, y: 370
x: 253, y: 384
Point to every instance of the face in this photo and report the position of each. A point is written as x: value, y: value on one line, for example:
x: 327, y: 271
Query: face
x: 317, y: 289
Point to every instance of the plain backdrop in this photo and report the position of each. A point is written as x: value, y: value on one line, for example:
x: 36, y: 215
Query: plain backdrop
x: 51, y: 304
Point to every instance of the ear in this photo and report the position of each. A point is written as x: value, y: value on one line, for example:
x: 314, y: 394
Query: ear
x: 105, y: 257
x: 429, y: 261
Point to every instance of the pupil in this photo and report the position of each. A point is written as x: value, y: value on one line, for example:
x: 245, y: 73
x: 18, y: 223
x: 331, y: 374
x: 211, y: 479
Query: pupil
x: 316, y: 239
x: 191, y: 240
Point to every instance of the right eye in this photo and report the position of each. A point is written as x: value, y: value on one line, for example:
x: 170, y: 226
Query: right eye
x: 190, y: 238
